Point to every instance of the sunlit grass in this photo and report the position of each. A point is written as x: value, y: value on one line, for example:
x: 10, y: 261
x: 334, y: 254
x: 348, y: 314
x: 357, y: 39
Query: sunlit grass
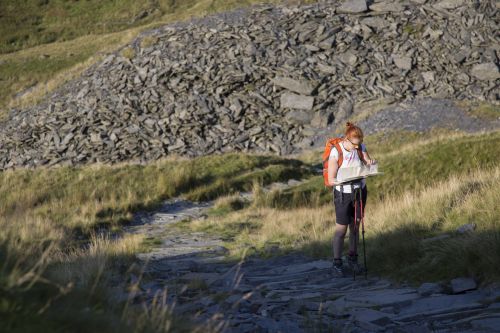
x: 398, y: 216
x: 56, y: 248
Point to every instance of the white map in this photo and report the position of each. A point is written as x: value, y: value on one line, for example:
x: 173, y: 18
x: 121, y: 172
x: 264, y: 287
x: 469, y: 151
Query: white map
x: 352, y: 173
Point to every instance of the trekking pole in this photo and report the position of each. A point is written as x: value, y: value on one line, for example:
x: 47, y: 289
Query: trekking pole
x: 363, y: 233
x: 355, y: 233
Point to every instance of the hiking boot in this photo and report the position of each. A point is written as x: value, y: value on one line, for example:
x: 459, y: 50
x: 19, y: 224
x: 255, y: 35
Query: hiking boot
x: 354, y: 265
x: 338, y: 270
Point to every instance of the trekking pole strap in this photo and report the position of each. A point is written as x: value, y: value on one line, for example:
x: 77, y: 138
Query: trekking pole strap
x: 363, y: 233
x: 341, y: 193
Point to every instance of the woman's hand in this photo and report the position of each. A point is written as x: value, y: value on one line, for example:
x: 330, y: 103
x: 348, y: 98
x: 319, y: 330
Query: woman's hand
x: 371, y: 161
x: 368, y: 159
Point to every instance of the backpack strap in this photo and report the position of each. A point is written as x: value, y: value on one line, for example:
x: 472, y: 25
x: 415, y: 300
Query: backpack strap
x: 341, y: 154
x: 339, y: 163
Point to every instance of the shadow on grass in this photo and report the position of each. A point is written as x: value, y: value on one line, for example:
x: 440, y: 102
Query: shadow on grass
x: 42, y: 302
x: 415, y: 255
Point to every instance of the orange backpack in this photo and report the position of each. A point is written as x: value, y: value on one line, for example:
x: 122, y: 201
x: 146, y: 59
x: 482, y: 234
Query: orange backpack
x: 335, y: 142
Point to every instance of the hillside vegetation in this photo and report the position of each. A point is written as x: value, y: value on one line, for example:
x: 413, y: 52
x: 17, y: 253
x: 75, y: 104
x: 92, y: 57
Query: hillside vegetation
x: 55, y: 251
x: 45, y: 43
x: 432, y: 185
x: 55, y: 263
x: 62, y: 244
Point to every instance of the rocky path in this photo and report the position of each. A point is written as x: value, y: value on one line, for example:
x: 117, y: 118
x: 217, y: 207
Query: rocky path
x: 294, y: 293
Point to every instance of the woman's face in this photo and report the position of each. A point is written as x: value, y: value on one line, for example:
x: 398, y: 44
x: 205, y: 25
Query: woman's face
x: 355, y: 141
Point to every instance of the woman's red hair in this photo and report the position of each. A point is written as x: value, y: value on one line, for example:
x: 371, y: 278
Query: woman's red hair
x: 353, y: 131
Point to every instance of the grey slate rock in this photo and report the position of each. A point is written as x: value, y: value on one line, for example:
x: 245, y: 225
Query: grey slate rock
x: 486, y: 71
x: 353, y: 6
x: 461, y: 284
x: 429, y: 288
x: 468, y: 227
x: 402, y: 62
x: 299, y: 86
x: 295, y: 101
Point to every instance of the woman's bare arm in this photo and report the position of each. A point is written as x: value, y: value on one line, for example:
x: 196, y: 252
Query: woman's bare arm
x: 332, y: 170
x: 367, y: 157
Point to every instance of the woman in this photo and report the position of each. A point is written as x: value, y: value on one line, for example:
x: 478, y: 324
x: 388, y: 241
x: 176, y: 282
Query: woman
x: 343, y: 197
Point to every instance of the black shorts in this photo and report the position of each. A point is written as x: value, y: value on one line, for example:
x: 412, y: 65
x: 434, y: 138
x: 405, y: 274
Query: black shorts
x: 344, y: 210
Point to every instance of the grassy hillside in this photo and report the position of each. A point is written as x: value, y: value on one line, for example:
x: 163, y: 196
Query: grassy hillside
x: 49, y: 249
x: 432, y: 185
x: 29, y: 23
x: 44, y: 43
x: 411, y: 161
x: 54, y: 262
x: 395, y: 229
x: 58, y: 264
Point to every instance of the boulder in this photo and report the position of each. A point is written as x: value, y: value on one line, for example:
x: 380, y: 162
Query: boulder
x: 322, y: 118
x: 295, y: 101
x: 386, y: 6
x: 429, y: 288
x: 353, y: 6
x: 402, y: 61
x: 298, y: 117
x: 299, y: 86
x: 344, y: 111
x: 468, y: 227
x: 485, y: 71
x: 449, y: 4
x: 461, y: 284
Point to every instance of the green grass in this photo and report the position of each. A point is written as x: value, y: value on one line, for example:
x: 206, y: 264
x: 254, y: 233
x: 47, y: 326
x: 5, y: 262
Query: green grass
x: 45, y: 43
x: 37, y: 71
x: 31, y: 23
x: 431, y: 186
x: 56, y: 210
x: 408, y: 163
x: 480, y: 109
x: 226, y: 204
x: 89, y: 196
x: 416, y: 169
x: 151, y: 242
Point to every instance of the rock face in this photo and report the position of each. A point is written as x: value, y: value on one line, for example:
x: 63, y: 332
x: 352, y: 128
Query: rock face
x: 257, y: 79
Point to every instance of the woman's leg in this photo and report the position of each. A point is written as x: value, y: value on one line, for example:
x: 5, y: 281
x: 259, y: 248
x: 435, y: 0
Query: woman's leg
x: 353, y: 238
x: 338, y: 240
x: 342, y: 208
x: 354, y: 226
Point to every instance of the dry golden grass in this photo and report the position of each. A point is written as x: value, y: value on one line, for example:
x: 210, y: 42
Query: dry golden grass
x: 424, y: 209
x: 41, y: 212
x: 87, y: 266
x: 49, y: 219
x: 395, y: 223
